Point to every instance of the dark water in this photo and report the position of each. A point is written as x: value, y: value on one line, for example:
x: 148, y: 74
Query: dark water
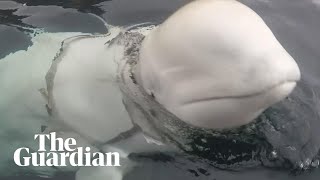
x: 294, y: 22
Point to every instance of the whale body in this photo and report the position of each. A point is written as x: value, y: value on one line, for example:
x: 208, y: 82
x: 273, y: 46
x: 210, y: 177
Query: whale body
x: 215, y: 64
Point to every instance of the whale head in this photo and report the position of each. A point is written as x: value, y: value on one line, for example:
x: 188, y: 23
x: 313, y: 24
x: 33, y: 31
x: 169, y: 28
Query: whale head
x: 215, y: 64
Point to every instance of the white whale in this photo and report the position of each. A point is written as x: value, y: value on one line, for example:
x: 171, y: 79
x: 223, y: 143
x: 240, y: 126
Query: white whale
x: 215, y: 64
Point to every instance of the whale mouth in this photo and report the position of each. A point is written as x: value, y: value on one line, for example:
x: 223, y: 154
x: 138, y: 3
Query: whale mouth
x: 290, y: 83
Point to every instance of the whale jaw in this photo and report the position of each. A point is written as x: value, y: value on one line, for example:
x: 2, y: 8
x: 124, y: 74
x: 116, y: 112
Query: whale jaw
x: 230, y: 112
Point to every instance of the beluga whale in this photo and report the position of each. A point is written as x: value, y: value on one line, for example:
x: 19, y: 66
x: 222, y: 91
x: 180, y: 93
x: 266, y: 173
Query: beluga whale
x: 221, y: 73
x: 222, y: 88
x: 211, y: 81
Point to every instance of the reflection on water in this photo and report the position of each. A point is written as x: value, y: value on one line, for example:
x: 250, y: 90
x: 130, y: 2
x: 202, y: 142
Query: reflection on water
x: 7, y: 17
x: 18, y: 21
x: 81, y: 5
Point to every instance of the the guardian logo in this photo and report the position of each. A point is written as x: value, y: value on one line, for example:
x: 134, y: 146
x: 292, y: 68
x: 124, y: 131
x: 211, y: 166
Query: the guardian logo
x: 63, y: 153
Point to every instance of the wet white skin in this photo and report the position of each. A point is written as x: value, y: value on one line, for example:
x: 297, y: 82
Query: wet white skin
x: 85, y: 92
x: 215, y: 64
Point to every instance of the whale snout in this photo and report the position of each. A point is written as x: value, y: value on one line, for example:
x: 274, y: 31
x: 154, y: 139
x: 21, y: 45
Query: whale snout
x: 277, y: 71
x: 288, y: 72
x: 278, y: 76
